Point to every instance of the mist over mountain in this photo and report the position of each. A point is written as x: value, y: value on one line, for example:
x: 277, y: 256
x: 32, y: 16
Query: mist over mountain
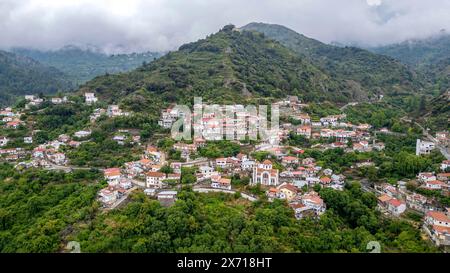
x: 430, y: 56
x: 369, y: 72
x: 81, y: 64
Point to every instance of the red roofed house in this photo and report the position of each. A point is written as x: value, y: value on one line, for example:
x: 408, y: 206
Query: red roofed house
x: 439, y: 224
x: 304, y: 130
x: 393, y: 205
x: 287, y: 160
x: 437, y: 218
x: 155, y: 179
x: 443, y: 176
x: 424, y: 177
x: 325, y: 180
x: 287, y: 191
x: 434, y: 185
x: 396, y: 206
x: 313, y: 201
x: 272, y: 193
x: 112, y: 175
x: 13, y: 124
x: 221, y: 183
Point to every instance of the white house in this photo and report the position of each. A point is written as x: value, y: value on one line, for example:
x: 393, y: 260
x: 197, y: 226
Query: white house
x: 28, y: 140
x: 3, y: 141
x: 57, y: 158
x: 108, y: 195
x: 312, y: 200
x: 82, y: 133
x: 29, y: 97
x: 90, y: 98
x: 207, y: 171
x: 112, y: 175
x: 396, y: 206
x: 445, y: 165
x: 424, y: 177
x: 424, y: 147
x: 434, y: 185
x: 59, y: 100
x: 247, y: 165
x: 155, y: 179
x: 437, y: 218
x: 222, y: 183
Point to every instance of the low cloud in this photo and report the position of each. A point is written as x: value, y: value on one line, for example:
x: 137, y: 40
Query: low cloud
x: 160, y: 25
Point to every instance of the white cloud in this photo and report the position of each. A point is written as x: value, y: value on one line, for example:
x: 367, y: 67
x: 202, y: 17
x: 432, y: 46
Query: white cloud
x: 373, y: 2
x: 137, y: 25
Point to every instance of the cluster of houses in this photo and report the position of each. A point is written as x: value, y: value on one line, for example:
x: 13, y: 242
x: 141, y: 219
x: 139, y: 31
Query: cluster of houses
x: 117, y: 186
x: 395, y: 200
x: 49, y: 153
x: 10, y: 118
x: 148, y: 168
x: 432, y: 181
x: 437, y: 225
x: 33, y: 100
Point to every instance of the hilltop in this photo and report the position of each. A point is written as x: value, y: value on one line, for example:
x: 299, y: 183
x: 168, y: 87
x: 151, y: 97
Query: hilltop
x: 228, y: 66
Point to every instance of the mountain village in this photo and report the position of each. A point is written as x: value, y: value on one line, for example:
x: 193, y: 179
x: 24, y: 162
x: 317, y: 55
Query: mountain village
x: 283, y: 173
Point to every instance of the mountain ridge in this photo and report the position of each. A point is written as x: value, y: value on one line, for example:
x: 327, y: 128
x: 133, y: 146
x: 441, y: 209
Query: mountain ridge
x: 374, y: 73
x: 20, y: 75
x: 227, y: 66
x: 83, y: 64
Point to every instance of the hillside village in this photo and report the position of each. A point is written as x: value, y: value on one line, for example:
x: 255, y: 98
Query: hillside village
x: 275, y: 169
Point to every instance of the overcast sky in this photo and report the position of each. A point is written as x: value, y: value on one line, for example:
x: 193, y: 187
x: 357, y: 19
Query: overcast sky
x: 160, y: 25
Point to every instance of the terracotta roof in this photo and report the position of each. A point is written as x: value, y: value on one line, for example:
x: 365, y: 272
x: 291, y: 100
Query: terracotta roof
x: 151, y: 149
x: 426, y: 174
x: 395, y: 202
x: 325, y: 179
x: 267, y: 162
x: 313, y: 198
x: 156, y: 174
x: 289, y: 158
x: 441, y: 229
x: 296, y: 205
x: 439, y: 216
x: 436, y: 182
x: 112, y: 172
x: 289, y: 187
x: 225, y: 181
x: 384, y: 198
x: 145, y: 161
